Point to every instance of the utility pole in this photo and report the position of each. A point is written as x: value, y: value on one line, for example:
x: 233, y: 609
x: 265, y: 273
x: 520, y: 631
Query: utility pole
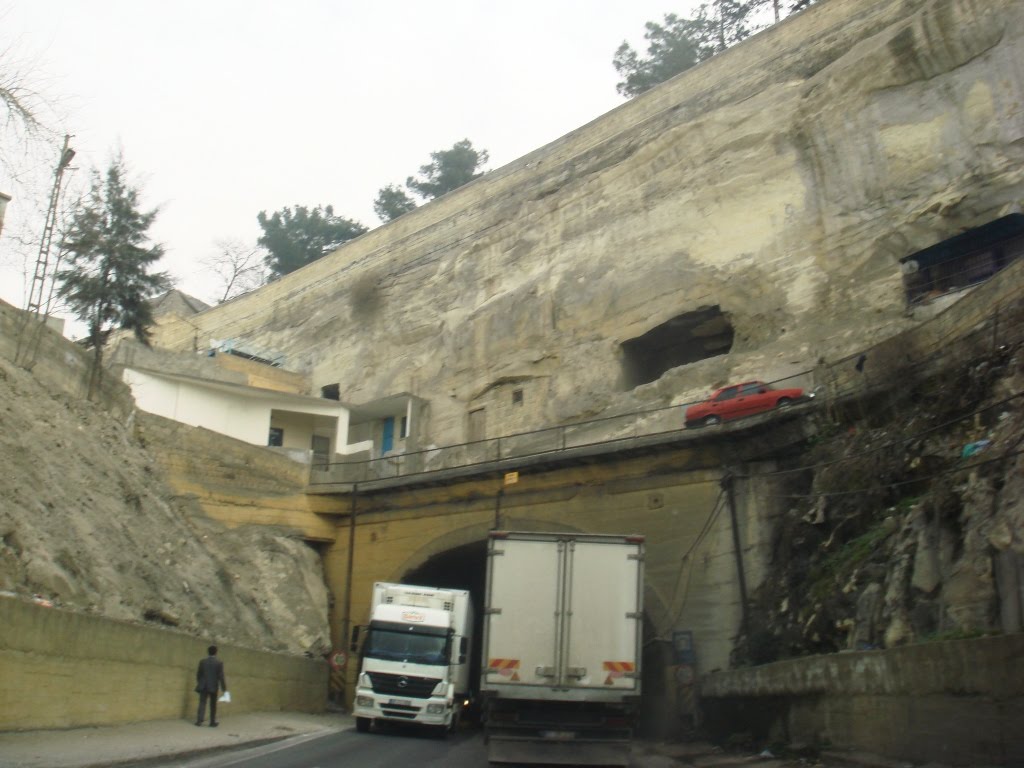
x: 34, y: 316
x: 728, y: 484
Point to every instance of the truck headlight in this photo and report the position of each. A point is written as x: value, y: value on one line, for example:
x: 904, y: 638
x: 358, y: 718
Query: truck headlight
x: 364, y: 701
x: 435, y: 709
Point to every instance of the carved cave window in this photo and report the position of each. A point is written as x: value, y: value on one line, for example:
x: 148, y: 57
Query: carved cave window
x: 684, y: 339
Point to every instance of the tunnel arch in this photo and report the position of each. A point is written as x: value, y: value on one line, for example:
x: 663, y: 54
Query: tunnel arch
x: 458, y: 560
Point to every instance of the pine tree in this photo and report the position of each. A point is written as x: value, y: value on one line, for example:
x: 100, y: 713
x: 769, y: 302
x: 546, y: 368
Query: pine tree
x: 392, y: 202
x: 448, y: 169
x: 107, y: 252
x: 295, y: 238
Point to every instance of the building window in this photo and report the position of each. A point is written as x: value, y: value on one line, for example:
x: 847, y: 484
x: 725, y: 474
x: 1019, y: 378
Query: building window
x: 403, y: 427
x: 963, y: 260
x: 276, y: 438
x: 331, y: 391
x: 517, y: 397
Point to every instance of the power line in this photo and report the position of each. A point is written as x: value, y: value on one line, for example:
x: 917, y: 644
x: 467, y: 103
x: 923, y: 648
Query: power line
x: 884, y: 446
x: 897, y: 483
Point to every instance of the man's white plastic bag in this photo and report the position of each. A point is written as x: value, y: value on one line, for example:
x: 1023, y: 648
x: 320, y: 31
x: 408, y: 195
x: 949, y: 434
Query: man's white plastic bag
x: 225, y: 697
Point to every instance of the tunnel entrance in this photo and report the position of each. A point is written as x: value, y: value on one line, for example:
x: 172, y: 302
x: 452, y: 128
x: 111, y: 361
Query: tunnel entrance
x: 463, y: 567
x: 686, y: 338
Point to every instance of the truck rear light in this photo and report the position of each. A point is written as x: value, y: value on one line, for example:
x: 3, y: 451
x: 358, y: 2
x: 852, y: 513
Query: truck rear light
x: 636, y: 539
x: 499, y: 534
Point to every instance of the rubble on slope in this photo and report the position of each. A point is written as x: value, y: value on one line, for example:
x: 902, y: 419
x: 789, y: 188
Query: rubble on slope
x: 908, y: 522
x: 87, y: 524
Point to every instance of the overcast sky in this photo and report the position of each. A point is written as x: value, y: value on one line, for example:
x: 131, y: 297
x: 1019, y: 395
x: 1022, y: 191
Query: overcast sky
x: 224, y: 108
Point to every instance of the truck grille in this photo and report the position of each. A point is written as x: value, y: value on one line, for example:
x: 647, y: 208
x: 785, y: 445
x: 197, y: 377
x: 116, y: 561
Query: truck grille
x: 397, y: 710
x: 402, y: 686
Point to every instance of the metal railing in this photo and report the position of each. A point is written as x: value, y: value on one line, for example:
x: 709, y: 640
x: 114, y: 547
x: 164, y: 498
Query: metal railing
x: 934, y: 345
x: 548, y: 440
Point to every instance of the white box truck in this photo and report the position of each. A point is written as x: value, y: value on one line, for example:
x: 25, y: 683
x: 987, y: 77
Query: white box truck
x: 560, y: 677
x: 415, y: 657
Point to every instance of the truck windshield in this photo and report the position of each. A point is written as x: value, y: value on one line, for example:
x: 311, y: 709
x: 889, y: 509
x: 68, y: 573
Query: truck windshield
x: 400, y: 643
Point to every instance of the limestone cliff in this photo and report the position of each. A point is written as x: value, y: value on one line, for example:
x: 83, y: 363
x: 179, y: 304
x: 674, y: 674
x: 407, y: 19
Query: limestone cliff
x: 779, y: 182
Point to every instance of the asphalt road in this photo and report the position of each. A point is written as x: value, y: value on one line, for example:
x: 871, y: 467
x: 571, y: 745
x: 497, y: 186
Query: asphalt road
x: 382, y: 749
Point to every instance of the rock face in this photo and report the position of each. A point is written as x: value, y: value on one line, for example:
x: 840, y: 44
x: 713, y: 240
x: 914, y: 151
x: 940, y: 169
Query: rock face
x: 88, y: 524
x: 779, y: 182
x: 921, y: 535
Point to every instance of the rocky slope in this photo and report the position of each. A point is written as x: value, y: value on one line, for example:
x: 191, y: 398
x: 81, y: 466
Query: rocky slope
x: 88, y: 524
x: 907, y: 522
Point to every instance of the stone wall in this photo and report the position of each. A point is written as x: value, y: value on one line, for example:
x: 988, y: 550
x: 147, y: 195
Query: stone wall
x: 957, y: 702
x: 234, y: 482
x: 64, y: 670
x: 781, y: 182
x: 60, y: 364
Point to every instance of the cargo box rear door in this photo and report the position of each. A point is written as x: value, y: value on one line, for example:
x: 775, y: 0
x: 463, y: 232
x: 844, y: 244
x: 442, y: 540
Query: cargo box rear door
x: 604, y: 622
x: 522, y: 605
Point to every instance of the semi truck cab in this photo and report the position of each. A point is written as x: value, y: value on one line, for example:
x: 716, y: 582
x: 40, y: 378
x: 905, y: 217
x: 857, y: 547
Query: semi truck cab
x: 415, y: 664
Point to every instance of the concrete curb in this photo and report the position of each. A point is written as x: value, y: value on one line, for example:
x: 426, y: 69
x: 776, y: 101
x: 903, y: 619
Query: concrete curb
x: 153, y: 742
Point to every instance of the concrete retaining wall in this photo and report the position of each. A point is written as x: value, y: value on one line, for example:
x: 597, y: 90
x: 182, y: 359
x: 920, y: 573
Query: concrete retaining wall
x: 63, y: 670
x: 956, y: 702
x: 58, y: 363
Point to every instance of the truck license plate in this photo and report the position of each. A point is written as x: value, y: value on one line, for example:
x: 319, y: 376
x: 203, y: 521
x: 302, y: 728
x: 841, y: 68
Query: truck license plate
x: 400, y: 702
x: 558, y: 735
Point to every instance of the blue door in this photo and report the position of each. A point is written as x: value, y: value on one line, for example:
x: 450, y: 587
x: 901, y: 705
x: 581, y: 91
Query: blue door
x: 387, y: 440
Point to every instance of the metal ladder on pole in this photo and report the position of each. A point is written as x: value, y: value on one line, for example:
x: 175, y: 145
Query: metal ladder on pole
x: 38, y: 306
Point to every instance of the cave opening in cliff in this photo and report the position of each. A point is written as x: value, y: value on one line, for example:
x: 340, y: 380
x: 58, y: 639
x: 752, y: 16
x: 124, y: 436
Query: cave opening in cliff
x: 684, y: 339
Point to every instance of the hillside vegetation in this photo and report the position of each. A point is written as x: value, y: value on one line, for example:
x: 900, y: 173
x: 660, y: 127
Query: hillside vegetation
x: 906, y: 516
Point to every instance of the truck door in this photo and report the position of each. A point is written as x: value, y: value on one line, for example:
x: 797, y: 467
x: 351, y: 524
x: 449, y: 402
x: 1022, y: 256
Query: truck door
x: 524, y: 598
x: 603, y: 623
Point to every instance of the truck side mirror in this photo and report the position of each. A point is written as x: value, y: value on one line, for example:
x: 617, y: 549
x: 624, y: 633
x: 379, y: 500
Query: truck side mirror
x: 462, y: 650
x: 354, y: 641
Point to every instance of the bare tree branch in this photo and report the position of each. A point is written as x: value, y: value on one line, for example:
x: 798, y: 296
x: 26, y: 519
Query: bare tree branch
x: 239, y: 268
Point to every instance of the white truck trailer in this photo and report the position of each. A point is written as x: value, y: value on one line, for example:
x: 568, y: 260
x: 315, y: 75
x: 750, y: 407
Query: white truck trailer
x: 415, y: 657
x: 560, y: 676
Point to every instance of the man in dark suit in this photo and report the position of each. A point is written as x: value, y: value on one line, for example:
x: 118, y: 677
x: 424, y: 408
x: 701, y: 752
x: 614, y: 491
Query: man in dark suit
x: 209, y: 678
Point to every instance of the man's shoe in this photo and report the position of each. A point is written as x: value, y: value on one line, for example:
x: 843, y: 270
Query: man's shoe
x: 214, y: 725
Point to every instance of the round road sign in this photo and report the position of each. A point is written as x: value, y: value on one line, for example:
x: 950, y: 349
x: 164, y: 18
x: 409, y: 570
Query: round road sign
x: 339, y: 659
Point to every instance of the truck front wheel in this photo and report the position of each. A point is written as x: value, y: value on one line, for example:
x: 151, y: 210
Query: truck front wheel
x: 363, y: 724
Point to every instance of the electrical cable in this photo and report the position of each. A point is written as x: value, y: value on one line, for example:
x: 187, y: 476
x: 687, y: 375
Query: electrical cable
x: 879, y: 449
x: 897, y: 483
x: 686, y: 563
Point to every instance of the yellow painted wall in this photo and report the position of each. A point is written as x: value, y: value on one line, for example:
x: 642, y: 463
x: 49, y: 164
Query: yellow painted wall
x: 691, y: 582
x: 61, y: 670
x: 237, y: 483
